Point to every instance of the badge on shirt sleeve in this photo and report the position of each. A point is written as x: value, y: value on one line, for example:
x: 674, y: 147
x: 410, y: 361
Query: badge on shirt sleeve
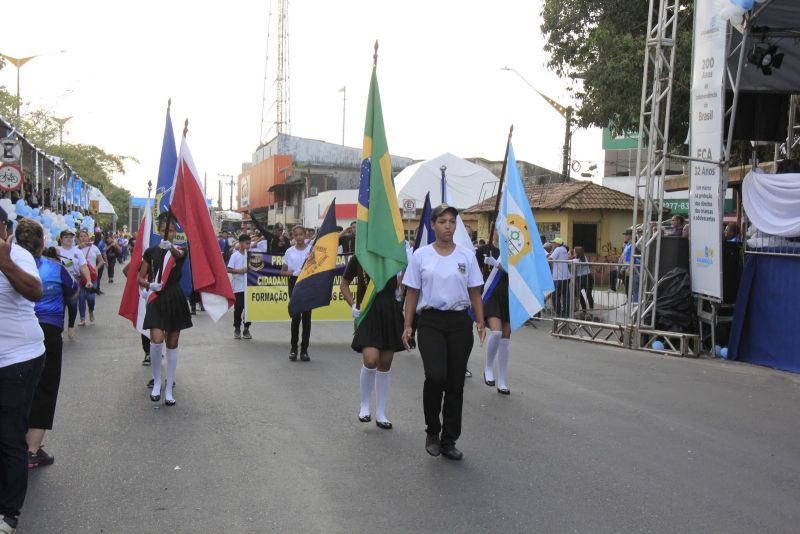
x: 462, y: 268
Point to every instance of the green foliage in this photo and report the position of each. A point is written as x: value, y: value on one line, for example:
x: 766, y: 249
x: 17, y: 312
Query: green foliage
x: 93, y: 164
x: 602, y: 42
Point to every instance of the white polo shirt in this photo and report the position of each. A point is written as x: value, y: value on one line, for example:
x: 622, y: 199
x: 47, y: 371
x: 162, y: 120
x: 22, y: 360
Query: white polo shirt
x: 294, y: 259
x: 238, y: 261
x: 560, y: 268
x: 443, y: 281
x: 72, y: 258
x: 22, y: 338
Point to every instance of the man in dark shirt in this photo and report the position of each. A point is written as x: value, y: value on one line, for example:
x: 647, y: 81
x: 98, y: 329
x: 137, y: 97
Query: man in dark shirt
x: 277, y: 242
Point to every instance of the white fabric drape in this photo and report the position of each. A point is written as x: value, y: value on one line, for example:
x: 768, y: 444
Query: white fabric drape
x: 772, y: 202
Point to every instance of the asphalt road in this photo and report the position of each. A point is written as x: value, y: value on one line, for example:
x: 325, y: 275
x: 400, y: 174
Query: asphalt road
x: 592, y: 439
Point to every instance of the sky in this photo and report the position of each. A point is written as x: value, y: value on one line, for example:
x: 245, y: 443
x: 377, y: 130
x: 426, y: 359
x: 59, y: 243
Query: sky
x: 439, y: 71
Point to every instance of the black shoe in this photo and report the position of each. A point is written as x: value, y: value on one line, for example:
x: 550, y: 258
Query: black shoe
x: 39, y: 458
x: 365, y: 418
x: 304, y: 356
x: 168, y: 402
x: 386, y: 425
x: 246, y: 333
x: 432, y: 445
x: 146, y: 360
x: 293, y: 355
x: 504, y: 391
x: 100, y: 292
x: 155, y: 398
x: 468, y: 374
x: 489, y: 383
x: 450, y: 452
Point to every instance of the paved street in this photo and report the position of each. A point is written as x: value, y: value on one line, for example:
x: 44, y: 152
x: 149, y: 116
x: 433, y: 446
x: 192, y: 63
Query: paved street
x: 592, y: 439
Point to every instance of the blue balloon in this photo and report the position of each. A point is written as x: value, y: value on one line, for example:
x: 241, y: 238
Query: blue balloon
x: 657, y: 345
x: 724, y: 353
x: 35, y: 212
x: 20, y: 204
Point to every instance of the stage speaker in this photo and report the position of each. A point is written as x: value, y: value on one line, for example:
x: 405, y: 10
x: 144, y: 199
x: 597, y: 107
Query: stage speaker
x: 759, y: 116
x: 674, y: 253
x: 732, y: 266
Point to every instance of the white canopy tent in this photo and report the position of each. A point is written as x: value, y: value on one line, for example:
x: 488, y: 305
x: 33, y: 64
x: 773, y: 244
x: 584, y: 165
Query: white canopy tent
x: 105, y: 205
x: 465, y: 182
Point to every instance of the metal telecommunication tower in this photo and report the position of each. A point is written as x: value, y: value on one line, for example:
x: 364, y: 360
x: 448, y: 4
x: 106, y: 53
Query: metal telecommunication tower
x: 651, y: 167
x: 276, y: 89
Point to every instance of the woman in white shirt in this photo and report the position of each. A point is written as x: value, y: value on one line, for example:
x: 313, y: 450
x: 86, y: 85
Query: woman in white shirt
x: 93, y: 257
x: 75, y: 263
x: 442, y: 280
x: 293, y: 261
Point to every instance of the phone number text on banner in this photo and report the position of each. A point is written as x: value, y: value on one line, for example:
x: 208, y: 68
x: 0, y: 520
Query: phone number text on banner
x: 267, y: 294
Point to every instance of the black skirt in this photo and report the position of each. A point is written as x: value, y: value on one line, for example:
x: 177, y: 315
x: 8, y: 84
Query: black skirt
x: 382, y: 328
x: 497, y: 305
x: 169, y: 311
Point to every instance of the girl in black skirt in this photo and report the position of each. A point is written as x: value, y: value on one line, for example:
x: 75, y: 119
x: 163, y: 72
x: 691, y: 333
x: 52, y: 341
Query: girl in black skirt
x: 377, y: 338
x: 167, y: 311
x: 498, y: 319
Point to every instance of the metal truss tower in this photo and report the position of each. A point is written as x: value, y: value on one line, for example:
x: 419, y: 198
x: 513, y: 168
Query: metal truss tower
x: 651, y: 164
x: 279, y: 86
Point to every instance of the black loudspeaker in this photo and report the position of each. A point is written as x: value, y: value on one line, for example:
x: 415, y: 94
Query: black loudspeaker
x: 759, y: 116
x: 732, y: 266
x: 674, y: 253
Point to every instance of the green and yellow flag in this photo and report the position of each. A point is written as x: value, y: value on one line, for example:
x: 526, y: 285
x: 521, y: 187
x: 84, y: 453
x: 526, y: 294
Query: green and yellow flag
x: 380, y: 246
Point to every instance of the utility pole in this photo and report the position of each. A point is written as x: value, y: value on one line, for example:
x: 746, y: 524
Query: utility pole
x: 61, y: 123
x: 231, y: 182
x: 343, y: 90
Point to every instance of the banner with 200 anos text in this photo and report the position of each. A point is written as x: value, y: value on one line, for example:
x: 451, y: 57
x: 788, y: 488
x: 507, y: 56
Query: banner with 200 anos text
x: 267, y: 292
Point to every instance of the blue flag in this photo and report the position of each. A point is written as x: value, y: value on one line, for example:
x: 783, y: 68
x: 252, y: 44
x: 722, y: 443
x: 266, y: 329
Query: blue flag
x: 166, y: 177
x: 68, y: 194
x: 522, y: 255
x: 425, y: 234
x: 76, y: 192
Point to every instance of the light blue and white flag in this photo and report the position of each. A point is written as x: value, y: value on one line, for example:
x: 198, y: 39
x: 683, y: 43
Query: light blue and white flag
x: 522, y: 255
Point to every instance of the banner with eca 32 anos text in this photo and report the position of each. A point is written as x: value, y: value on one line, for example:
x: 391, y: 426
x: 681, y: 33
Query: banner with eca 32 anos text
x: 267, y: 292
x: 707, y: 120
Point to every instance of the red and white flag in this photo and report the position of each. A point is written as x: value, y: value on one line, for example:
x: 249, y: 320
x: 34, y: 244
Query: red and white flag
x: 134, y: 298
x: 188, y: 204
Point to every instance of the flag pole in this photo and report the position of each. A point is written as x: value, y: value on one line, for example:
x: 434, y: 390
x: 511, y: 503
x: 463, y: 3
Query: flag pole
x: 375, y: 55
x: 493, y: 216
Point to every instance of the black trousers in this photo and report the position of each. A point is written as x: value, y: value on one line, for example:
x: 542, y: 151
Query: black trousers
x: 100, y: 276
x: 43, y: 407
x: 445, y: 342
x: 112, y: 261
x: 238, y: 308
x: 145, y: 344
x: 585, y: 282
x: 305, y: 318
x: 17, y: 385
x: 561, y: 297
x: 71, y: 304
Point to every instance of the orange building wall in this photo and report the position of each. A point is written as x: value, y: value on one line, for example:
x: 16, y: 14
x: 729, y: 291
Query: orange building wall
x: 261, y: 177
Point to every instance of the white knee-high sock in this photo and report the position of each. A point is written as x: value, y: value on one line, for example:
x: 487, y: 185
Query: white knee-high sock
x: 172, y: 367
x: 502, y: 363
x: 155, y: 363
x: 367, y: 385
x: 382, y: 383
x: 492, y: 341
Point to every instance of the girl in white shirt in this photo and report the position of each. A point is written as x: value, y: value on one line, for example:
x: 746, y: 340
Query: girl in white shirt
x: 93, y: 257
x: 75, y: 263
x: 293, y: 261
x: 442, y: 280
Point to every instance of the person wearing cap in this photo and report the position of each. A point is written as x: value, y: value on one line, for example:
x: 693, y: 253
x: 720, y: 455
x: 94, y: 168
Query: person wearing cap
x: 442, y: 281
x: 560, y: 262
x: 22, y: 354
x: 75, y: 262
x: 624, y: 258
x: 237, y: 266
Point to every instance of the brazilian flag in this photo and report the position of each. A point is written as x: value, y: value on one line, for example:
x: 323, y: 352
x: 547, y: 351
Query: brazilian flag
x: 315, y: 282
x: 380, y: 246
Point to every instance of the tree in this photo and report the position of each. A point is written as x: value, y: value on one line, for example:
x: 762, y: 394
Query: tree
x: 602, y: 43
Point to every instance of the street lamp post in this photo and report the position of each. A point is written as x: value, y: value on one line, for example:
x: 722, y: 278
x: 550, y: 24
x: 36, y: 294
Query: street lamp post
x: 19, y: 62
x: 565, y: 112
x: 343, y: 90
x: 61, y: 123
